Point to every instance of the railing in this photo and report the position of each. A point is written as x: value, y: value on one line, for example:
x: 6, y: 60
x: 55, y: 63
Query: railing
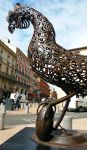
x: 7, y: 76
x: 22, y: 73
x: 24, y: 84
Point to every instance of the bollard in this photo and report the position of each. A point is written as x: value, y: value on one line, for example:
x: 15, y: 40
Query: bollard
x: 67, y: 122
x: 1, y: 104
x: 25, y: 105
x: 26, y: 109
x: 3, y: 109
x: 22, y: 105
x: 2, y: 120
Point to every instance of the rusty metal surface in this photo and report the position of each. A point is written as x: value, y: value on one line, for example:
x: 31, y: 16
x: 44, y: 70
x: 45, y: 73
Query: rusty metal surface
x: 72, y: 139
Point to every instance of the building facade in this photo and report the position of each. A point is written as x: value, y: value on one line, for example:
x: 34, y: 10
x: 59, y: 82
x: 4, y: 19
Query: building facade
x: 7, y: 69
x: 22, y: 73
x: 26, y: 81
x: 15, y: 71
x: 44, y: 89
x: 79, y: 51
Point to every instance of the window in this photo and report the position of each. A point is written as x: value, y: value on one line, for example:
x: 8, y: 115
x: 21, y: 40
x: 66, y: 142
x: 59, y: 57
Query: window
x: 11, y: 72
x: 0, y: 66
x: 21, y: 58
x: 8, y: 57
x: 13, y: 62
x: 16, y: 77
x: 7, y: 70
x: 17, y: 67
x: 17, y: 56
x: 22, y: 69
x: 24, y: 61
x: 1, y: 53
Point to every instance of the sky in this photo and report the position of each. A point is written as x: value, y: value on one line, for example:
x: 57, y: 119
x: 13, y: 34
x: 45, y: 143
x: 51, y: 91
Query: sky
x: 69, y: 18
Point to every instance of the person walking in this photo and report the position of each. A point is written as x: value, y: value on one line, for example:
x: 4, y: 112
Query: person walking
x: 16, y: 96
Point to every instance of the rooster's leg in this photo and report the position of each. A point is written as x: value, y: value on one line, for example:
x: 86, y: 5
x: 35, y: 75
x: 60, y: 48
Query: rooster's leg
x: 62, y: 114
x: 67, y: 99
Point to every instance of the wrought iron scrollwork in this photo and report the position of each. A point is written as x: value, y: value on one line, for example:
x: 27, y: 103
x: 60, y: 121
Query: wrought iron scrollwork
x: 49, y: 60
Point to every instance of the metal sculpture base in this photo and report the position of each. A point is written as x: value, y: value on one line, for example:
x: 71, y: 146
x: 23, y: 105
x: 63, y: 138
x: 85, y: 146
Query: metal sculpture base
x: 70, y: 139
x: 22, y: 141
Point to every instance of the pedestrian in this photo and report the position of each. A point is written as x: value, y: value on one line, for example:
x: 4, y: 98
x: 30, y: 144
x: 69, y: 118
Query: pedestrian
x: 16, y: 96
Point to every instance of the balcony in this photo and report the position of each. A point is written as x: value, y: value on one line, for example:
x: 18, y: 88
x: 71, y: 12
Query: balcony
x: 22, y: 74
x: 23, y: 84
x: 6, y: 76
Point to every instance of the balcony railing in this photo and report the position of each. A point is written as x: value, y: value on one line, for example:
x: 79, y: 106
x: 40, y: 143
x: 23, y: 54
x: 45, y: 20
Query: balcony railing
x: 23, y: 84
x: 22, y: 73
x: 7, y: 76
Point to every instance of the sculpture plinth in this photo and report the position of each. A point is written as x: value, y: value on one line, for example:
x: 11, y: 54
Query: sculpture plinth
x: 72, y: 139
x: 22, y: 140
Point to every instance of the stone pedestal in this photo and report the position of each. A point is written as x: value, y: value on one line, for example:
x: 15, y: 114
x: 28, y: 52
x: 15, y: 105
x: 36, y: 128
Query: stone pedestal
x: 22, y: 105
x: 23, y: 141
x: 26, y: 109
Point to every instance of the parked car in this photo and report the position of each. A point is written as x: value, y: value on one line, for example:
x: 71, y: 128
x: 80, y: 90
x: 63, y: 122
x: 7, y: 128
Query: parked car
x: 78, y: 104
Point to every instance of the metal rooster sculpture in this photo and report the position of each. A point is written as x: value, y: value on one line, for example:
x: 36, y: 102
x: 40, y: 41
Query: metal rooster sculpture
x: 52, y: 63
